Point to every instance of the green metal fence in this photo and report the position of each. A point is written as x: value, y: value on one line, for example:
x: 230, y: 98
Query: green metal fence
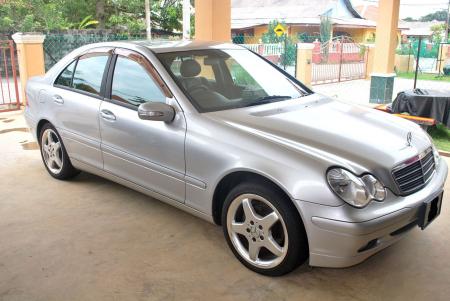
x: 427, y: 49
x: 428, y: 52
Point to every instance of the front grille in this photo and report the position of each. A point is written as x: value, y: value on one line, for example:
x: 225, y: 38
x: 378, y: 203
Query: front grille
x: 415, y: 173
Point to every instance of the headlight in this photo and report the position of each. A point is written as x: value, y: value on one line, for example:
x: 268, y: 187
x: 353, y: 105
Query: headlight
x: 436, y: 155
x: 356, y: 191
x: 435, y: 151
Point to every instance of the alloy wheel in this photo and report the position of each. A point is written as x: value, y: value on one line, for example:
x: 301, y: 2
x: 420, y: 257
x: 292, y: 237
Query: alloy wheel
x: 52, y: 151
x: 257, y: 231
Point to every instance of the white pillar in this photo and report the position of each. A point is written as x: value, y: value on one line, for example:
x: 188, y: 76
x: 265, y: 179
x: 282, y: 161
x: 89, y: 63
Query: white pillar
x: 148, y: 19
x: 186, y: 19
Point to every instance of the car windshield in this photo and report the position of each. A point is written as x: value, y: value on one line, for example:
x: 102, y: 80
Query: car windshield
x: 217, y: 80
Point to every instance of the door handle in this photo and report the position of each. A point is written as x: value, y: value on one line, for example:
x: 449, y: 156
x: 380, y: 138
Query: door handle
x: 58, y: 99
x: 108, y: 115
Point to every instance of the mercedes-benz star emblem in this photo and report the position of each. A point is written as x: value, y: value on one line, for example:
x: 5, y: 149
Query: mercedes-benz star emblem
x: 408, y: 139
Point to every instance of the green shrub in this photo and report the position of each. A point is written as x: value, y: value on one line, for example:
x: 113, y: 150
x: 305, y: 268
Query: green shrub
x: 446, y: 69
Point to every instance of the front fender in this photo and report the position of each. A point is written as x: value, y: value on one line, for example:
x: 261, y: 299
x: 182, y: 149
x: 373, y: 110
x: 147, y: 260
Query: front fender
x: 214, y: 151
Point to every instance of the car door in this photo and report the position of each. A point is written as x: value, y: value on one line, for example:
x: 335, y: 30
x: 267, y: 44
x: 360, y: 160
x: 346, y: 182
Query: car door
x: 147, y: 153
x: 75, y: 99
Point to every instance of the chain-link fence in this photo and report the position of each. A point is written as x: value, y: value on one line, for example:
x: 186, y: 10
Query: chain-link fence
x: 443, y: 63
x: 427, y: 51
x: 430, y: 58
x: 58, y: 44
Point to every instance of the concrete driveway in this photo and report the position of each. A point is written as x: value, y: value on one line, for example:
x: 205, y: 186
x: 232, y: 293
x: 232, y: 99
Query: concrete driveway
x: 91, y: 239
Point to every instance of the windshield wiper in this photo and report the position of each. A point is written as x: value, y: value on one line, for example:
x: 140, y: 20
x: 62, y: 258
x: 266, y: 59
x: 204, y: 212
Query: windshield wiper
x: 267, y: 99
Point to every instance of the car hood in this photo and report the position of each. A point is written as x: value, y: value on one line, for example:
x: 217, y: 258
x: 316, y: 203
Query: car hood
x: 356, y: 137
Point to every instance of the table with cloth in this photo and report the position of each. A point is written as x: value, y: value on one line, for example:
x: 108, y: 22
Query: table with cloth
x: 424, y: 103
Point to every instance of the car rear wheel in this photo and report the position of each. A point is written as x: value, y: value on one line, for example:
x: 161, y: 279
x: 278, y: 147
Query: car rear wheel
x: 54, y: 154
x: 263, y: 229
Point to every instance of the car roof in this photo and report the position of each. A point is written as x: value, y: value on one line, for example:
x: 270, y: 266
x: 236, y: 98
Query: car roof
x: 162, y: 46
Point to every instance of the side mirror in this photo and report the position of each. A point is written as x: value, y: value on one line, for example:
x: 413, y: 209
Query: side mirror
x: 156, y: 111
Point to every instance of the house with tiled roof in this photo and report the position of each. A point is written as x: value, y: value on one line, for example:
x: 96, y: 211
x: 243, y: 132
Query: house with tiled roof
x: 301, y: 17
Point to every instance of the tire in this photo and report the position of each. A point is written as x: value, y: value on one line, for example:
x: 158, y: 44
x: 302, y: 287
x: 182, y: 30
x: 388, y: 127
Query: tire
x: 273, y: 227
x: 54, y: 155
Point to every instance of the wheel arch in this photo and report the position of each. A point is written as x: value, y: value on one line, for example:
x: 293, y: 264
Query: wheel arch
x: 228, y: 181
x: 39, y: 126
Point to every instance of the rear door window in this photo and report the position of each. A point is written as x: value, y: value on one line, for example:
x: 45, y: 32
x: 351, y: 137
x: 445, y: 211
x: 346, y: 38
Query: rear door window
x: 89, y: 73
x: 65, y: 78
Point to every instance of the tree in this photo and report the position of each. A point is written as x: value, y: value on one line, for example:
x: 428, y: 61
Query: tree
x: 325, y: 34
x: 100, y: 13
x: 440, y: 15
x: 438, y: 31
x: 148, y: 22
x: 168, y: 15
x: 288, y: 56
x: 270, y: 37
x: 325, y: 28
x: 32, y: 15
x: 127, y: 15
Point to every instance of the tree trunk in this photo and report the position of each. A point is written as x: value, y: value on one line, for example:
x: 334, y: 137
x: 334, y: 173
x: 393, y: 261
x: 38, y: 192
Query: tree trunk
x: 186, y: 19
x: 100, y: 13
x: 147, y: 20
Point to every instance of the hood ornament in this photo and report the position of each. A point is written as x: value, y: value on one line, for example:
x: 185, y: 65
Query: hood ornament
x: 408, y: 139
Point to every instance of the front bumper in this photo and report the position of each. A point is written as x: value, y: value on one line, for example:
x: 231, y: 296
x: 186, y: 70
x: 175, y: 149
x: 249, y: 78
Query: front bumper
x: 344, y: 236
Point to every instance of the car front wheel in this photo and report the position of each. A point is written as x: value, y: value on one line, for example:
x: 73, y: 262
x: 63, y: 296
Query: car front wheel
x: 263, y: 229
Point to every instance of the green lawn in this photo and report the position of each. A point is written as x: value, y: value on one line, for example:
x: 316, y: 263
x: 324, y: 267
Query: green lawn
x: 441, y: 137
x: 424, y: 76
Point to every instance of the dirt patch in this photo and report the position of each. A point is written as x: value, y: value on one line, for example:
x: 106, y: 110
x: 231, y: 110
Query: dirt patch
x: 14, y: 130
x: 30, y: 145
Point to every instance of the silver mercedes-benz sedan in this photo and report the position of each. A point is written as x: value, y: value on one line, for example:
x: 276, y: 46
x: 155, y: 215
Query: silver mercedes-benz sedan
x: 218, y: 131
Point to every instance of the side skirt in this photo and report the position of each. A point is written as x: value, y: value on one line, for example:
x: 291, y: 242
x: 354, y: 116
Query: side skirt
x: 101, y: 173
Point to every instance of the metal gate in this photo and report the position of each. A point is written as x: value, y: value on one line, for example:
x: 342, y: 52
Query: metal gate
x: 337, y: 60
x: 9, y: 88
